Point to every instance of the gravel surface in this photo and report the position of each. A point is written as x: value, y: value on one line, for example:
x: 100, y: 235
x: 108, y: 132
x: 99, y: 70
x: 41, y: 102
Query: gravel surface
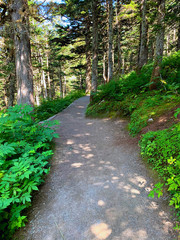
x: 98, y: 186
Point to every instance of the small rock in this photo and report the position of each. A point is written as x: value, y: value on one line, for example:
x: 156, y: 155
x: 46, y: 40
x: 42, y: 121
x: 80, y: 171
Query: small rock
x: 150, y: 120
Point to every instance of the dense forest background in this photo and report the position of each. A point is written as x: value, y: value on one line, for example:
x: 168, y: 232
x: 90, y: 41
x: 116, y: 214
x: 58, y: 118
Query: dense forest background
x: 81, y: 44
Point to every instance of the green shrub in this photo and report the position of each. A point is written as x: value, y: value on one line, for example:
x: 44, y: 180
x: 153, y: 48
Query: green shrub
x: 50, y: 107
x: 162, y: 151
x: 171, y: 68
x: 25, y: 147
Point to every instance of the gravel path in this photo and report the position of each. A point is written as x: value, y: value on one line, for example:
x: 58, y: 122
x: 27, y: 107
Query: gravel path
x: 97, y: 188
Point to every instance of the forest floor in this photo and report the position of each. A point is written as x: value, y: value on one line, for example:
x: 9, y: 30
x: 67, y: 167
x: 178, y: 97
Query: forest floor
x: 98, y: 186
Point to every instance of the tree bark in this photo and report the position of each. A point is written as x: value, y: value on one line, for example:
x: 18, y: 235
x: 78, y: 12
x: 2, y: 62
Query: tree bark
x: 37, y: 91
x: 43, y: 78
x: 104, y: 67
x: 118, y: 24
x: 143, y: 51
x: 110, y: 40
x: 11, y: 91
x: 24, y: 73
x: 10, y: 85
x: 152, y: 48
x: 48, y: 75
x: 178, y: 39
x: 88, y: 56
x: 94, y: 47
x: 167, y: 44
x: 155, y: 78
x: 52, y: 85
x: 130, y: 61
x: 81, y: 81
x: 44, y: 83
x: 64, y: 88
x: 123, y: 66
x: 60, y: 81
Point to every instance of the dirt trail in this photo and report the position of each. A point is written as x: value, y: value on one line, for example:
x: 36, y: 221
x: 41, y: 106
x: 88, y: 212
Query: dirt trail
x: 98, y: 186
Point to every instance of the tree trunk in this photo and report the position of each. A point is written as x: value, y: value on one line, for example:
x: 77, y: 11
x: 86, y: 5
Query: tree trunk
x: 110, y: 40
x: 60, y: 81
x: 143, y: 51
x: 81, y: 82
x: 167, y: 45
x: 43, y: 79
x: 151, y: 52
x: 52, y: 85
x: 88, y: 56
x: 9, y: 90
x: 11, y: 79
x: 118, y: 24
x: 155, y: 78
x: 24, y: 73
x: 48, y: 75
x: 104, y: 67
x: 178, y: 39
x: 94, y: 47
x: 64, y: 88
x: 37, y: 91
x: 130, y: 62
x: 123, y: 66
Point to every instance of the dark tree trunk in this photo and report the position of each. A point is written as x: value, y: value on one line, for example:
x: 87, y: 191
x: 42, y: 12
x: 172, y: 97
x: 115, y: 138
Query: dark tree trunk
x: 52, y: 85
x: 88, y: 56
x: 12, y: 81
x: 155, y: 78
x: 130, y: 62
x: 151, y: 49
x: 110, y: 40
x: 94, y: 47
x: 178, y: 39
x: 10, y: 85
x: 118, y: 24
x: 10, y: 90
x: 143, y: 50
x: 24, y: 73
x: 81, y: 81
x: 64, y: 88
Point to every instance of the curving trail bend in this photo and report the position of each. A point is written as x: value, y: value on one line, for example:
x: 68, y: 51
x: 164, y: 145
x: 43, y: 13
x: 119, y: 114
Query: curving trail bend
x: 98, y: 186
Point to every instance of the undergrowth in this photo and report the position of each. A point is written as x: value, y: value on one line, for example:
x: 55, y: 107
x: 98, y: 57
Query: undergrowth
x: 50, y: 107
x: 162, y: 151
x: 25, y: 147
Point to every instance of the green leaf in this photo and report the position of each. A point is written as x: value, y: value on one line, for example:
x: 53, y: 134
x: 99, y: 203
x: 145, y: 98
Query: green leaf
x: 151, y: 194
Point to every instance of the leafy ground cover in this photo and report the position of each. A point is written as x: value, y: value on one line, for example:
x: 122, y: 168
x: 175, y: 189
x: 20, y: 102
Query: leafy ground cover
x: 162, y: 151
x: 25, y: 147
x: 130, y: 96
x: 48, y: 108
